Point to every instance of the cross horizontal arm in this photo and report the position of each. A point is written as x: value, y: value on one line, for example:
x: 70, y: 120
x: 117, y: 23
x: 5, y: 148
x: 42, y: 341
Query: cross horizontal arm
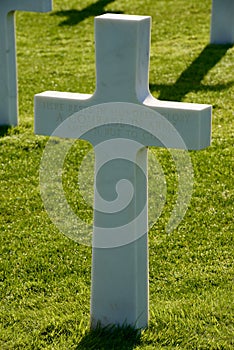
x: 25, y: 5
x: 122, y: 60
x: 192, y: 121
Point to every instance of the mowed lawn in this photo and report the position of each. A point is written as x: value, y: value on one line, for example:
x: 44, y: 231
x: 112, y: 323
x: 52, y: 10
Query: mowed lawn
x: 45, y: 277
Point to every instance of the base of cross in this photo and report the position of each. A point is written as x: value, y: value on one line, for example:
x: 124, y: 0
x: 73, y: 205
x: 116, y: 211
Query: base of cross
x: 120, y: 285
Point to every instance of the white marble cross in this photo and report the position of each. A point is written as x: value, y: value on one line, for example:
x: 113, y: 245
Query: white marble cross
x: 222, y: 22
x: 8, y: 71
x: 119, y: 292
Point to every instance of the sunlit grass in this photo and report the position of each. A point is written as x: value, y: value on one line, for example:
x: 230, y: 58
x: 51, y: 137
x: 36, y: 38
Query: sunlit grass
x: 44, y: 276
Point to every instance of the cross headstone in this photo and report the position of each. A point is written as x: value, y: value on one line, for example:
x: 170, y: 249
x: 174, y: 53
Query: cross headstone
x: 8, y: 71
x: 222, y: 22
x: 119, y: 292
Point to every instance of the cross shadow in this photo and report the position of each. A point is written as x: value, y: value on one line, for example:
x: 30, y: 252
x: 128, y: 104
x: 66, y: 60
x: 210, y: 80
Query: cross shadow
x: 4, y: 130
x: 116, y: 338
x: 74, y: 17
x: 191, y: 78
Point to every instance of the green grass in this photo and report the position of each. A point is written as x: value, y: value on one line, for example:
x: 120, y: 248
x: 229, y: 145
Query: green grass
x: 44, y: 276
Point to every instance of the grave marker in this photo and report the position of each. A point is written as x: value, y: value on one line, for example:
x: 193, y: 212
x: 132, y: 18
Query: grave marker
x: 222, y: 22
x: 8, y: 70
x: 120, y: 271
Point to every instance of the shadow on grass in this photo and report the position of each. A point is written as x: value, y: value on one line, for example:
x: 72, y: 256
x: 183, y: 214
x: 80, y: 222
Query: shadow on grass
x: 5, y: 130
x: 191, y: 78
x: 74, y: 17
x: 116, y: 338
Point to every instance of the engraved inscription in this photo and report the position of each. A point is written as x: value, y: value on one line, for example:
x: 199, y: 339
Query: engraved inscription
x: 65, y: 107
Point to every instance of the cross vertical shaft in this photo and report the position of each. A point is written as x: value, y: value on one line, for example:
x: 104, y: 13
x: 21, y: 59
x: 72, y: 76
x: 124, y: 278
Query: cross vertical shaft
x: 222, y: 22
x: 8, y: 70
x: 119, y: 292
x: 122, y: 56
